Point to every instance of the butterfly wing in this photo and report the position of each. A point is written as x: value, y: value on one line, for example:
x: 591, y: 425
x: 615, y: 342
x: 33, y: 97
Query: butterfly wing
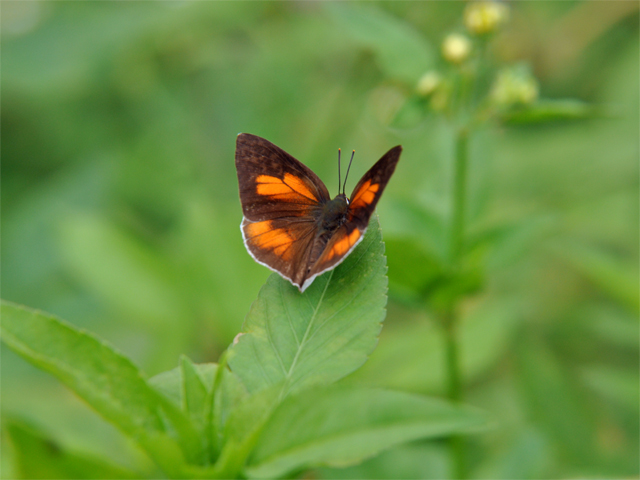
x: 273, y: 184
x: 369, y: 189
x: 363, y: 202
x: 281, y: 201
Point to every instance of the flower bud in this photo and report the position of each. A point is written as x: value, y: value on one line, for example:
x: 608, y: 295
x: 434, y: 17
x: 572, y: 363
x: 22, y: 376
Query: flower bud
x: 456, y: 48
x: 514, y: 86
x: 484, y: 17
x: 428, y: 83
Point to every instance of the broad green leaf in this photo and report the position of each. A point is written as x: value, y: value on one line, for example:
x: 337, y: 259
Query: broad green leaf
x: 321, y: 335
x: 37, y: 456
x: 549, y: 111
x: 402, y: 52
x: 341, y: 426
x: 106, y: 380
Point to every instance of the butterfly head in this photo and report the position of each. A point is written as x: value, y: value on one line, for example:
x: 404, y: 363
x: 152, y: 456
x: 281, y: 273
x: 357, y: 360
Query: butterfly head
x: 334, y: 212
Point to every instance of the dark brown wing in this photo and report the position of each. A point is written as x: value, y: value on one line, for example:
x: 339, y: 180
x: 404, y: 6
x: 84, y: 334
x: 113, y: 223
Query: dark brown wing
x: 273, y: 184
x: 363, y: 202
x: 369, y: 189
x: 281, y: 201
x: 341, y: 243
x: 284, y: 245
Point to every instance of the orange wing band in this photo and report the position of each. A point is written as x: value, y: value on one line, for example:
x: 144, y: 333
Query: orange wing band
x: 264, y: 236
x: 343, y: 245
x: 365, y: 195
x: 289, y: 186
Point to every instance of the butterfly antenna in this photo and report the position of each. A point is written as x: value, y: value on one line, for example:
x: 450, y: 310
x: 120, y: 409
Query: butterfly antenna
x: 347, y: 175
x: 339, y: 170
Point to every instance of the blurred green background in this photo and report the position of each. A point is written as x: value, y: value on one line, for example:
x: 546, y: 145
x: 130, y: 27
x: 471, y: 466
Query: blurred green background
x: 120, y: 210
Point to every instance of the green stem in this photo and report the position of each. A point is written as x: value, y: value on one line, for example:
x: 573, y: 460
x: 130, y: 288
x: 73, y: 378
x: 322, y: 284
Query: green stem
x: 459, y: 190
x: 457, y: 443
x: 454, y: 390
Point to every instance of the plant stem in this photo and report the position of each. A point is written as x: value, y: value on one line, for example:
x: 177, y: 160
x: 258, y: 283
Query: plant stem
x: 457, y: 443
x: 459, y: 190
x: 454, y: 390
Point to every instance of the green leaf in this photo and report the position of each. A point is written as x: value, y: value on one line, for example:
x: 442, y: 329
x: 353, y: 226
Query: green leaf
x: 341, y: 426
x: 194, y: 393
x: 106, y: 380
x: 242, y: 431
x: 37, y: 456
x: 169, y: 383
x: 321, y: 335
x: 402, y: 52
x: 549, y: 111
x: 229, y: 394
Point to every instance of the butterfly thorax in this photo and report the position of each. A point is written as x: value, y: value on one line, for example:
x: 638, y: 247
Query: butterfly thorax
x: 334, y: 213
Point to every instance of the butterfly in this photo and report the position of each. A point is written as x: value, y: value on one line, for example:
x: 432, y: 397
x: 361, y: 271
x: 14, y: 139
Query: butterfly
x: 291, y: 225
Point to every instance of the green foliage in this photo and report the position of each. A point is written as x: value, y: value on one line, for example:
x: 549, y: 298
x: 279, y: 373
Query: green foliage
x: 204, y: 421
x: 347, y: 425
x: 120, y: 214
x: 38, y: 456
x: 320, y: 336
x: 106, y: 380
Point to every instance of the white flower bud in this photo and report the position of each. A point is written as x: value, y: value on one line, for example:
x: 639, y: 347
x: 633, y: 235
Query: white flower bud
x: 483, y: 17
x: 428, y: 83
x: 456, y: 48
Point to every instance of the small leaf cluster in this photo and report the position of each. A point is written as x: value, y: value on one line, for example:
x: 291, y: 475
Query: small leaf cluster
x: 471, y: 87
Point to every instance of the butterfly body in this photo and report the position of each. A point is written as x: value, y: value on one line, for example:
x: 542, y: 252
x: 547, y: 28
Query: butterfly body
x: 290, y: 224
x: 334, y: 213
